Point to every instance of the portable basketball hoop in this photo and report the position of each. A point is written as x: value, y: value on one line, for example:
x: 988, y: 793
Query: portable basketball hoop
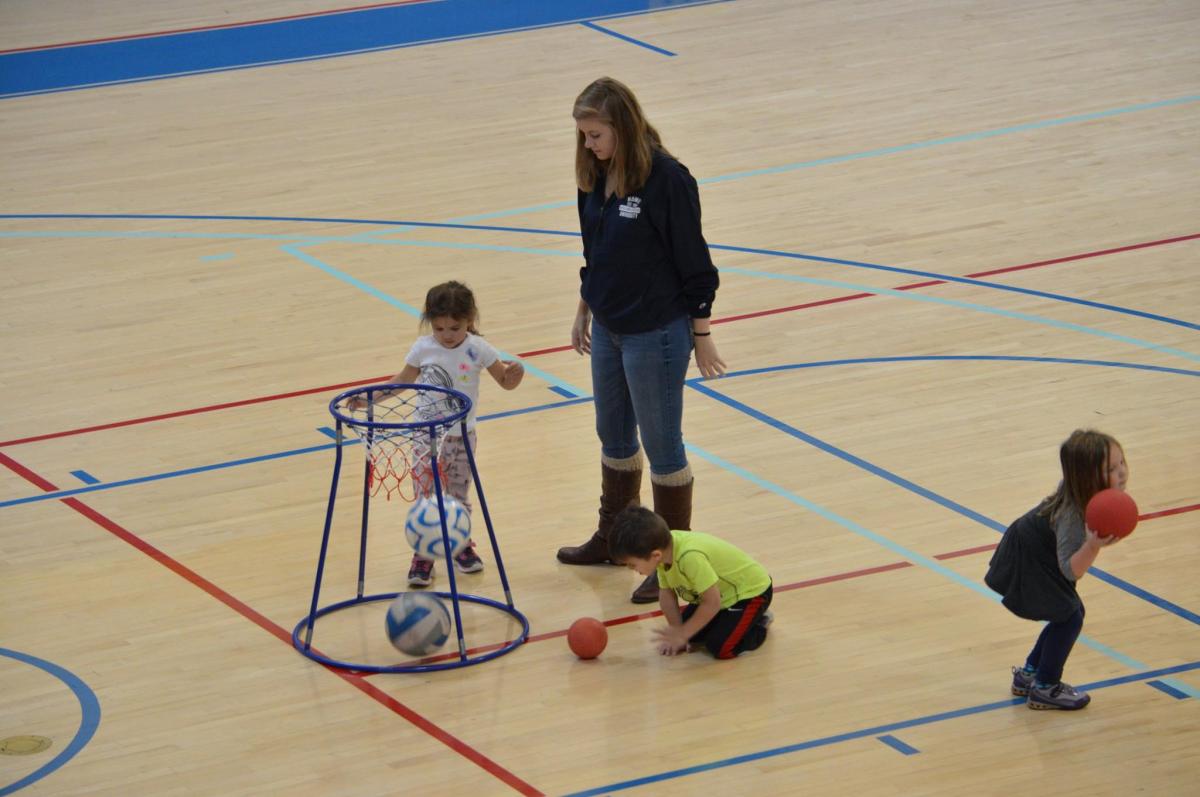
x: 401, y: 429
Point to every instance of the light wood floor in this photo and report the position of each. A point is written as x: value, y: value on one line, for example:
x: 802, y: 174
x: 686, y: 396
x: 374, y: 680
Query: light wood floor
x: 872, y: 175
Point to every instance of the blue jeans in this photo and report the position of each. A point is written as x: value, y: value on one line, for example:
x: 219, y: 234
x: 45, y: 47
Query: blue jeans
x: 638, y: 385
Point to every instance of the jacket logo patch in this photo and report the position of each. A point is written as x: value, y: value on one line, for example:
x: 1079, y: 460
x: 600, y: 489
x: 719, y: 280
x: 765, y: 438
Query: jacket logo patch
x: 631, y: 208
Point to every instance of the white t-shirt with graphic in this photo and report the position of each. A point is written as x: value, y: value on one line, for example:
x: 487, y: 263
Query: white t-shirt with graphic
x: 458, y: 368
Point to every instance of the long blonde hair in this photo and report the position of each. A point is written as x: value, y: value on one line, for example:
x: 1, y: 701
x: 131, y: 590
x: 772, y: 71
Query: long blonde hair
x: 611, y: 102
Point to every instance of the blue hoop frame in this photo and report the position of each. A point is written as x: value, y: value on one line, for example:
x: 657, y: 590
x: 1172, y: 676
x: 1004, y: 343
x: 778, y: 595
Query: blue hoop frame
x: 371, y: 426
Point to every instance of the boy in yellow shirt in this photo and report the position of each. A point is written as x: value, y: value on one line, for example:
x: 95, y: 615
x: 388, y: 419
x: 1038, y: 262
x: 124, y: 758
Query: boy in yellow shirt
x: 727, y: 592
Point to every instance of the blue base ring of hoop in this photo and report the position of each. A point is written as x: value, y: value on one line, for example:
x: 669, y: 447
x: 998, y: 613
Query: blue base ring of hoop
x: 432, y: 663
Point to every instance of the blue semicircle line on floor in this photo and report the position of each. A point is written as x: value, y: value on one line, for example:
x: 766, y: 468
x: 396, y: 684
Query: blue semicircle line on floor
x: 368, y: 238
x: 971, y: 306
x: 89, y: 707
x: 999, y: 286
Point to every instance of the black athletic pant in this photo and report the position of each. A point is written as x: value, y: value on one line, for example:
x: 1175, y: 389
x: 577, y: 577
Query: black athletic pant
x: 1049, y: 654
x: 734, y: 630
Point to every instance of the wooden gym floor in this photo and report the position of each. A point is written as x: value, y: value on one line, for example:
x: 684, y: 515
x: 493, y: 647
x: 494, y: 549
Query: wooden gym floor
x: 949, y: 233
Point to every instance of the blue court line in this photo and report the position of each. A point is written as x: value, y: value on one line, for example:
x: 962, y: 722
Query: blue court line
x: 85, y: 477
x: 295, y: 40
x: 959, y: 358
x: 317, y: 263
x: 961, y: 138
x: 1000, y: 286
x: 821, y: 511
x: 57, y: 495
x: 881, y: 151
x: 305, y: 240
x: 815, y: 508
x: 89, y: 707
x: 325, y: 430
x: 1170, y: 690
x: 908, y: 554
x: 826, y: 741
x: 629, y: 39
x: 961, y: 305
x: 923, y: 492
x: 359, y: 239
x: 233, y: 463
x: 445, y: 225
x: 563, y: 392
x: 893, y: 742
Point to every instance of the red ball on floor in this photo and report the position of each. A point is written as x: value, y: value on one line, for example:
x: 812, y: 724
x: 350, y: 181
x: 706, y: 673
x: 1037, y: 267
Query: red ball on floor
x: 587, y: 637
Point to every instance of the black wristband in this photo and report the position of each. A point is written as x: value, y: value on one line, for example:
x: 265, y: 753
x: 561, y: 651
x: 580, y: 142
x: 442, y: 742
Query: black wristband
x: 701, y: 334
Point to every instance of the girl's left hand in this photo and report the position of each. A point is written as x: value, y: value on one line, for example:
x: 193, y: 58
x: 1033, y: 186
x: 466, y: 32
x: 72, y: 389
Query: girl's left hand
x: 707, y: 359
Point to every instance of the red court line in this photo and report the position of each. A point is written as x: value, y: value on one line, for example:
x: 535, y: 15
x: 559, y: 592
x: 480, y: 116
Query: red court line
x: 929, y: 283
x: 555, y: 349
x: 812, y: 582
x: 197, y: 29
x: 1164, y: 512
x: 354, y: 679
x: 1099, y: 253
x: 966, y: 551
x: 181, y: 413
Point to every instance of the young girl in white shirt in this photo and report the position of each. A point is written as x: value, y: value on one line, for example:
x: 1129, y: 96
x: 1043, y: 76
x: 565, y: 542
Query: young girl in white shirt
x: 453, y: 356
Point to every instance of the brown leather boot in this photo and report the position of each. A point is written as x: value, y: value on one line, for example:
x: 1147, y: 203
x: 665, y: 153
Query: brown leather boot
x: 618, y: 489
x: 674, y: 504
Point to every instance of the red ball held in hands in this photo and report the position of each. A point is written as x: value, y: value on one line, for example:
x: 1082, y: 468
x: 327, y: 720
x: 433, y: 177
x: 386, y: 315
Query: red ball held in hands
x: 1111, y: 513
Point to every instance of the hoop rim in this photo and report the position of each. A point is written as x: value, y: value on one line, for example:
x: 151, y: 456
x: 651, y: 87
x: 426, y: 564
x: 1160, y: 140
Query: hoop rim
x: 366, y: 391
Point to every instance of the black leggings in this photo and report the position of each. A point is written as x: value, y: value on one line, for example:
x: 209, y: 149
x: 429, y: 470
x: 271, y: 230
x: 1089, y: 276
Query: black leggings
x: 1049, y: 654
x: 734, y: 630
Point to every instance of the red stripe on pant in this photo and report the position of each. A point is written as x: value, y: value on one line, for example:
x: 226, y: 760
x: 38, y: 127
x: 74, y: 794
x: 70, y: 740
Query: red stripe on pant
x: 749, y: 616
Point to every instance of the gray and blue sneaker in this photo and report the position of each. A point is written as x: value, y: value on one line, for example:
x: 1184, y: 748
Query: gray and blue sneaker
x: 1022, y: 681
x: 1057, y: 696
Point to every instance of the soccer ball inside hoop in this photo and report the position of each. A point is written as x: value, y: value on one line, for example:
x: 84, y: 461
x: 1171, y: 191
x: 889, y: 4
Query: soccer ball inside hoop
x: 424, y: 527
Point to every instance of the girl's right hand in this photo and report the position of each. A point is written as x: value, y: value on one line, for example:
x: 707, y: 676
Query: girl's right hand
x: 581, y: 334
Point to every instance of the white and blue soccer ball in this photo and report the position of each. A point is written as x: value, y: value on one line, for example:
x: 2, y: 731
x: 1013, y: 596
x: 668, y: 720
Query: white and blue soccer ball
x: 424, y: 527
x: 418, y: 623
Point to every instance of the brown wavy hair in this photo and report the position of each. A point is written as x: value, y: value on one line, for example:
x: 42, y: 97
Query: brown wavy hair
x: 454, y: 300
x: 1084, y: 458
x: 613, y: 103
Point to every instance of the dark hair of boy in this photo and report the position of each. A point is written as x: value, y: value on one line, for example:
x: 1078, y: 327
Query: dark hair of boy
x: 637, y: 532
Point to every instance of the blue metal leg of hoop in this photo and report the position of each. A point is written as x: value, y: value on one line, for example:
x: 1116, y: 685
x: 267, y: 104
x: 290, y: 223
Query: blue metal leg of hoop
x: 437, y: 488
x: 487, y: 517
x: 441, y: 661
x: 337, y: 469
x: 366, y: 508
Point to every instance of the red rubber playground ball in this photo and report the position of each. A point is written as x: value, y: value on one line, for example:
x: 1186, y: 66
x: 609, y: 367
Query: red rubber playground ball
x: 587, y: 637
x: 1111, y: 513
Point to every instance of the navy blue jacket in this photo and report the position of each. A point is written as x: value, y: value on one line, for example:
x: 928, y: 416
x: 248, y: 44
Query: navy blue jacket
x: 646, y: 260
